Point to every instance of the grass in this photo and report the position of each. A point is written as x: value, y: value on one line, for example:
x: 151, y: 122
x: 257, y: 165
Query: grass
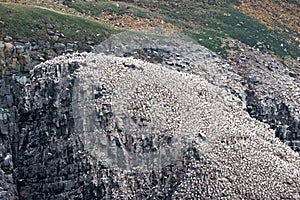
x: 96, y: 8
x: 29, y: 23
x: 251, y: 32
x: 211, y: 39
x: 209, y: 24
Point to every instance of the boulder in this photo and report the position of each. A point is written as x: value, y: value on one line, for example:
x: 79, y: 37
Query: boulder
x: 8, y: 49
x: 7, y: 39
x: 50, y: 26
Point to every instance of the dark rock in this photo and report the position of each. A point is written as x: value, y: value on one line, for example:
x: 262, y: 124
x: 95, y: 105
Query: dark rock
x: 61, y: 35
x: 69, y: 50
x: 293, y: 74
x: 38, y: 26
x: 7, y: 164
x: 51, y: 33
x: 49, y: 26
x: 59, y: 48
x: 7, y: 39
x: 132, y: 66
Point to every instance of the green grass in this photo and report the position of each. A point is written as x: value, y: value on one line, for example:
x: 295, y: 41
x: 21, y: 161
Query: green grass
x: 211, y: 39
x: 207, y: 24
x: 211, y: 23
x: 96, y: 8
x: 250, y: 31
x: 23, y: 21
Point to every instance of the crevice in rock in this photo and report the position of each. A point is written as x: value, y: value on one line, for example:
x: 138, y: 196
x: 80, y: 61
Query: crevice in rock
x: 278, y: 116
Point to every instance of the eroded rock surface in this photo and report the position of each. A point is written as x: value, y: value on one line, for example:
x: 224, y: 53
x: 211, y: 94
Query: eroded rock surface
x: 92, y: 126
x: 106, y: 127
x: 268, y: 89
x: 8, y: 134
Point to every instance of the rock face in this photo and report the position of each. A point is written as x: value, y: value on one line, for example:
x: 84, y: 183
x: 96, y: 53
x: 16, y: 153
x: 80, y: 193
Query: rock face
x: 18, y: 56
x: 268, y: 88
x: 95, y: 126
x: 8, y: 132
x: 272, y: 91
x: 190, y: 126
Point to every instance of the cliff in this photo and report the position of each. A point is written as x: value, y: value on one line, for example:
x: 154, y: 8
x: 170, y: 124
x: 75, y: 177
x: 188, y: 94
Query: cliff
x: 151, y: 113
x: 94, y: 126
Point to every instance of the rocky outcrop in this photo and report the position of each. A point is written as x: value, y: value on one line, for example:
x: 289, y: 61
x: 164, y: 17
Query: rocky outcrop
x: 267, y: 87
x: 96, y: 126
x: 8, y: 134
x: 272, y: 93
x: 19, y: 57
x: 92, y: 126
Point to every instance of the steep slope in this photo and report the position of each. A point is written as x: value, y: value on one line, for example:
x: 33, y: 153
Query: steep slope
x: 129, y: 129
x: 31, y: 35
x: 189, y: 125
x: 208, y: 22
x: 268, y: 88
x: 42, y: 25
x: 94, y: 126
x: 282, y: 15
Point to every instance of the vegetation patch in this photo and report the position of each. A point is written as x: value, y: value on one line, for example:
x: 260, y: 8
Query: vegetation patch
x: 209, y: 23
x: 255, y: 34
x: 96, y: 8
x: 211, y: 39
x: 30, y: 23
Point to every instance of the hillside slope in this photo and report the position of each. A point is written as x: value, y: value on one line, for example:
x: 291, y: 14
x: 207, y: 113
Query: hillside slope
x: 141, y: 130
x: 179, y: 99
x: 208, y: 22
x: 273, y: 30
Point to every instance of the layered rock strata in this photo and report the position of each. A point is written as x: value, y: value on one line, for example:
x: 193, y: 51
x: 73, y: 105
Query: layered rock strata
x: 92, y: 126
x: 105, y: 127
